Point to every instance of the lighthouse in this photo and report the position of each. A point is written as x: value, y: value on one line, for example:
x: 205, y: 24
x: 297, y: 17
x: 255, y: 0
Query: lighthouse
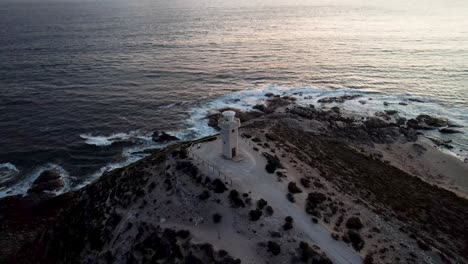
x: 229, y: 125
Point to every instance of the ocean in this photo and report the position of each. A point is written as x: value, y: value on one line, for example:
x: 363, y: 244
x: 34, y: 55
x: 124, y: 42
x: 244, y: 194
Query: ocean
x: 85, y: 83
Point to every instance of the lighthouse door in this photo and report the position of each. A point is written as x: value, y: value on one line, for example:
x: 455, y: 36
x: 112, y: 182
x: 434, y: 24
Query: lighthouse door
x: 233, y: 152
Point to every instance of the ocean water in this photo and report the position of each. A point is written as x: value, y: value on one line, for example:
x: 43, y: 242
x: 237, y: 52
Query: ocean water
x: 83, y: 84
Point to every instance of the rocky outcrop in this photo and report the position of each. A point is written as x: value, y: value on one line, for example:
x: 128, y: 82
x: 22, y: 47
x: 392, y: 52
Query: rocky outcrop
x: 339, y: 99
x: 427, y: 122
x: 162, y: 137
x: 49, y: 180
x: 449, y: 131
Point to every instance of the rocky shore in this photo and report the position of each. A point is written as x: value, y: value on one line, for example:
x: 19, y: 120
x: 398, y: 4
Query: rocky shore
x: 374, y: 184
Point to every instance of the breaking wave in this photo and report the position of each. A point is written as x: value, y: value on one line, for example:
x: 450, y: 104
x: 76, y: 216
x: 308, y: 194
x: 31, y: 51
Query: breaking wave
x: 8, y: 172
x: 22, y: 187
x: 196, y: 126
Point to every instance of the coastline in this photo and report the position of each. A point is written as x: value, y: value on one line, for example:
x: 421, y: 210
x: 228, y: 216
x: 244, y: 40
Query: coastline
x: 342, y: 170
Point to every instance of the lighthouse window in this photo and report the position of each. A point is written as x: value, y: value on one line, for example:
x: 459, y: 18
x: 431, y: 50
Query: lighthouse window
x: 233, y: 131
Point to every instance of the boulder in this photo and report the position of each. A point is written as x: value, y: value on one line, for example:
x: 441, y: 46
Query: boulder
x: 339, y: 99
x: 260, y: 107
x: 162, y: 137
x: 449, y: 131
x: 375, y: 122
x: 432, y: 121
x: 49, y: 180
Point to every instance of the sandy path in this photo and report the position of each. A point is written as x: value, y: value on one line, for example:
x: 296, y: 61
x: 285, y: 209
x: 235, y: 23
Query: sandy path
x: 250, y: 175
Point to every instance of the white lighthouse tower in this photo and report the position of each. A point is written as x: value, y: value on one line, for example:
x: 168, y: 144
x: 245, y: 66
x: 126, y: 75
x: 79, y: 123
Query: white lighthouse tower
x: 229, y: 125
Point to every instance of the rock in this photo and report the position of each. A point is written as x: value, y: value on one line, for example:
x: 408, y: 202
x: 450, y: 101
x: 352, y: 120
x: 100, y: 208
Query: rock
x: 162, y: 137
x: 292, y: 187
x: 441, y: 143
x: 255, y: 215
x: 339, y: 99
x: 336, y: 109
x: 375, y: 122
x: 274, y: 248
x: 363, y: 102
x: 415, y: 124
x: 260, y: 107
x: 391, y: 112
x: 275, y: 102
x: 402, y: 103
x: 218, y: 186
x: 432, y: 121
x: 416, y: 100
x: 49, y: 180
x: 290, y: 197
x: 449, y: 131
x: 354, y: 223
x: 269, y: 94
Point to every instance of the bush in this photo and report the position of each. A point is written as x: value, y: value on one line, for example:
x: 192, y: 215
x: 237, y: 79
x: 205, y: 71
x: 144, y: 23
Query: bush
x: 354, y: 223
x: 236, y: 201
x: 217, y: 218
x: 269, y: 210
x: 261, y: 203
x: 292, y: 188
x: 274, y: 248
x: 218, y: 186
x: 255, y: 214
x: 356, y: 240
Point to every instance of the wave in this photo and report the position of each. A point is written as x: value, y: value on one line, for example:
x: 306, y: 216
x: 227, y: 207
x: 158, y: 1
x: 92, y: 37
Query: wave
x: 109, y: 140
x: 368, y: 104
x: 8, y: 171
x: 196, y: 126
x: 22, y: 187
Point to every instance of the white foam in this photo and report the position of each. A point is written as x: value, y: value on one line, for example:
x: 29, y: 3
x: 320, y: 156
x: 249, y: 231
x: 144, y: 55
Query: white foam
x: 109, y: 140
x: 197, y: 123
x: 374, y: 102
x: 21, y: 188
x: 8, y: 171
